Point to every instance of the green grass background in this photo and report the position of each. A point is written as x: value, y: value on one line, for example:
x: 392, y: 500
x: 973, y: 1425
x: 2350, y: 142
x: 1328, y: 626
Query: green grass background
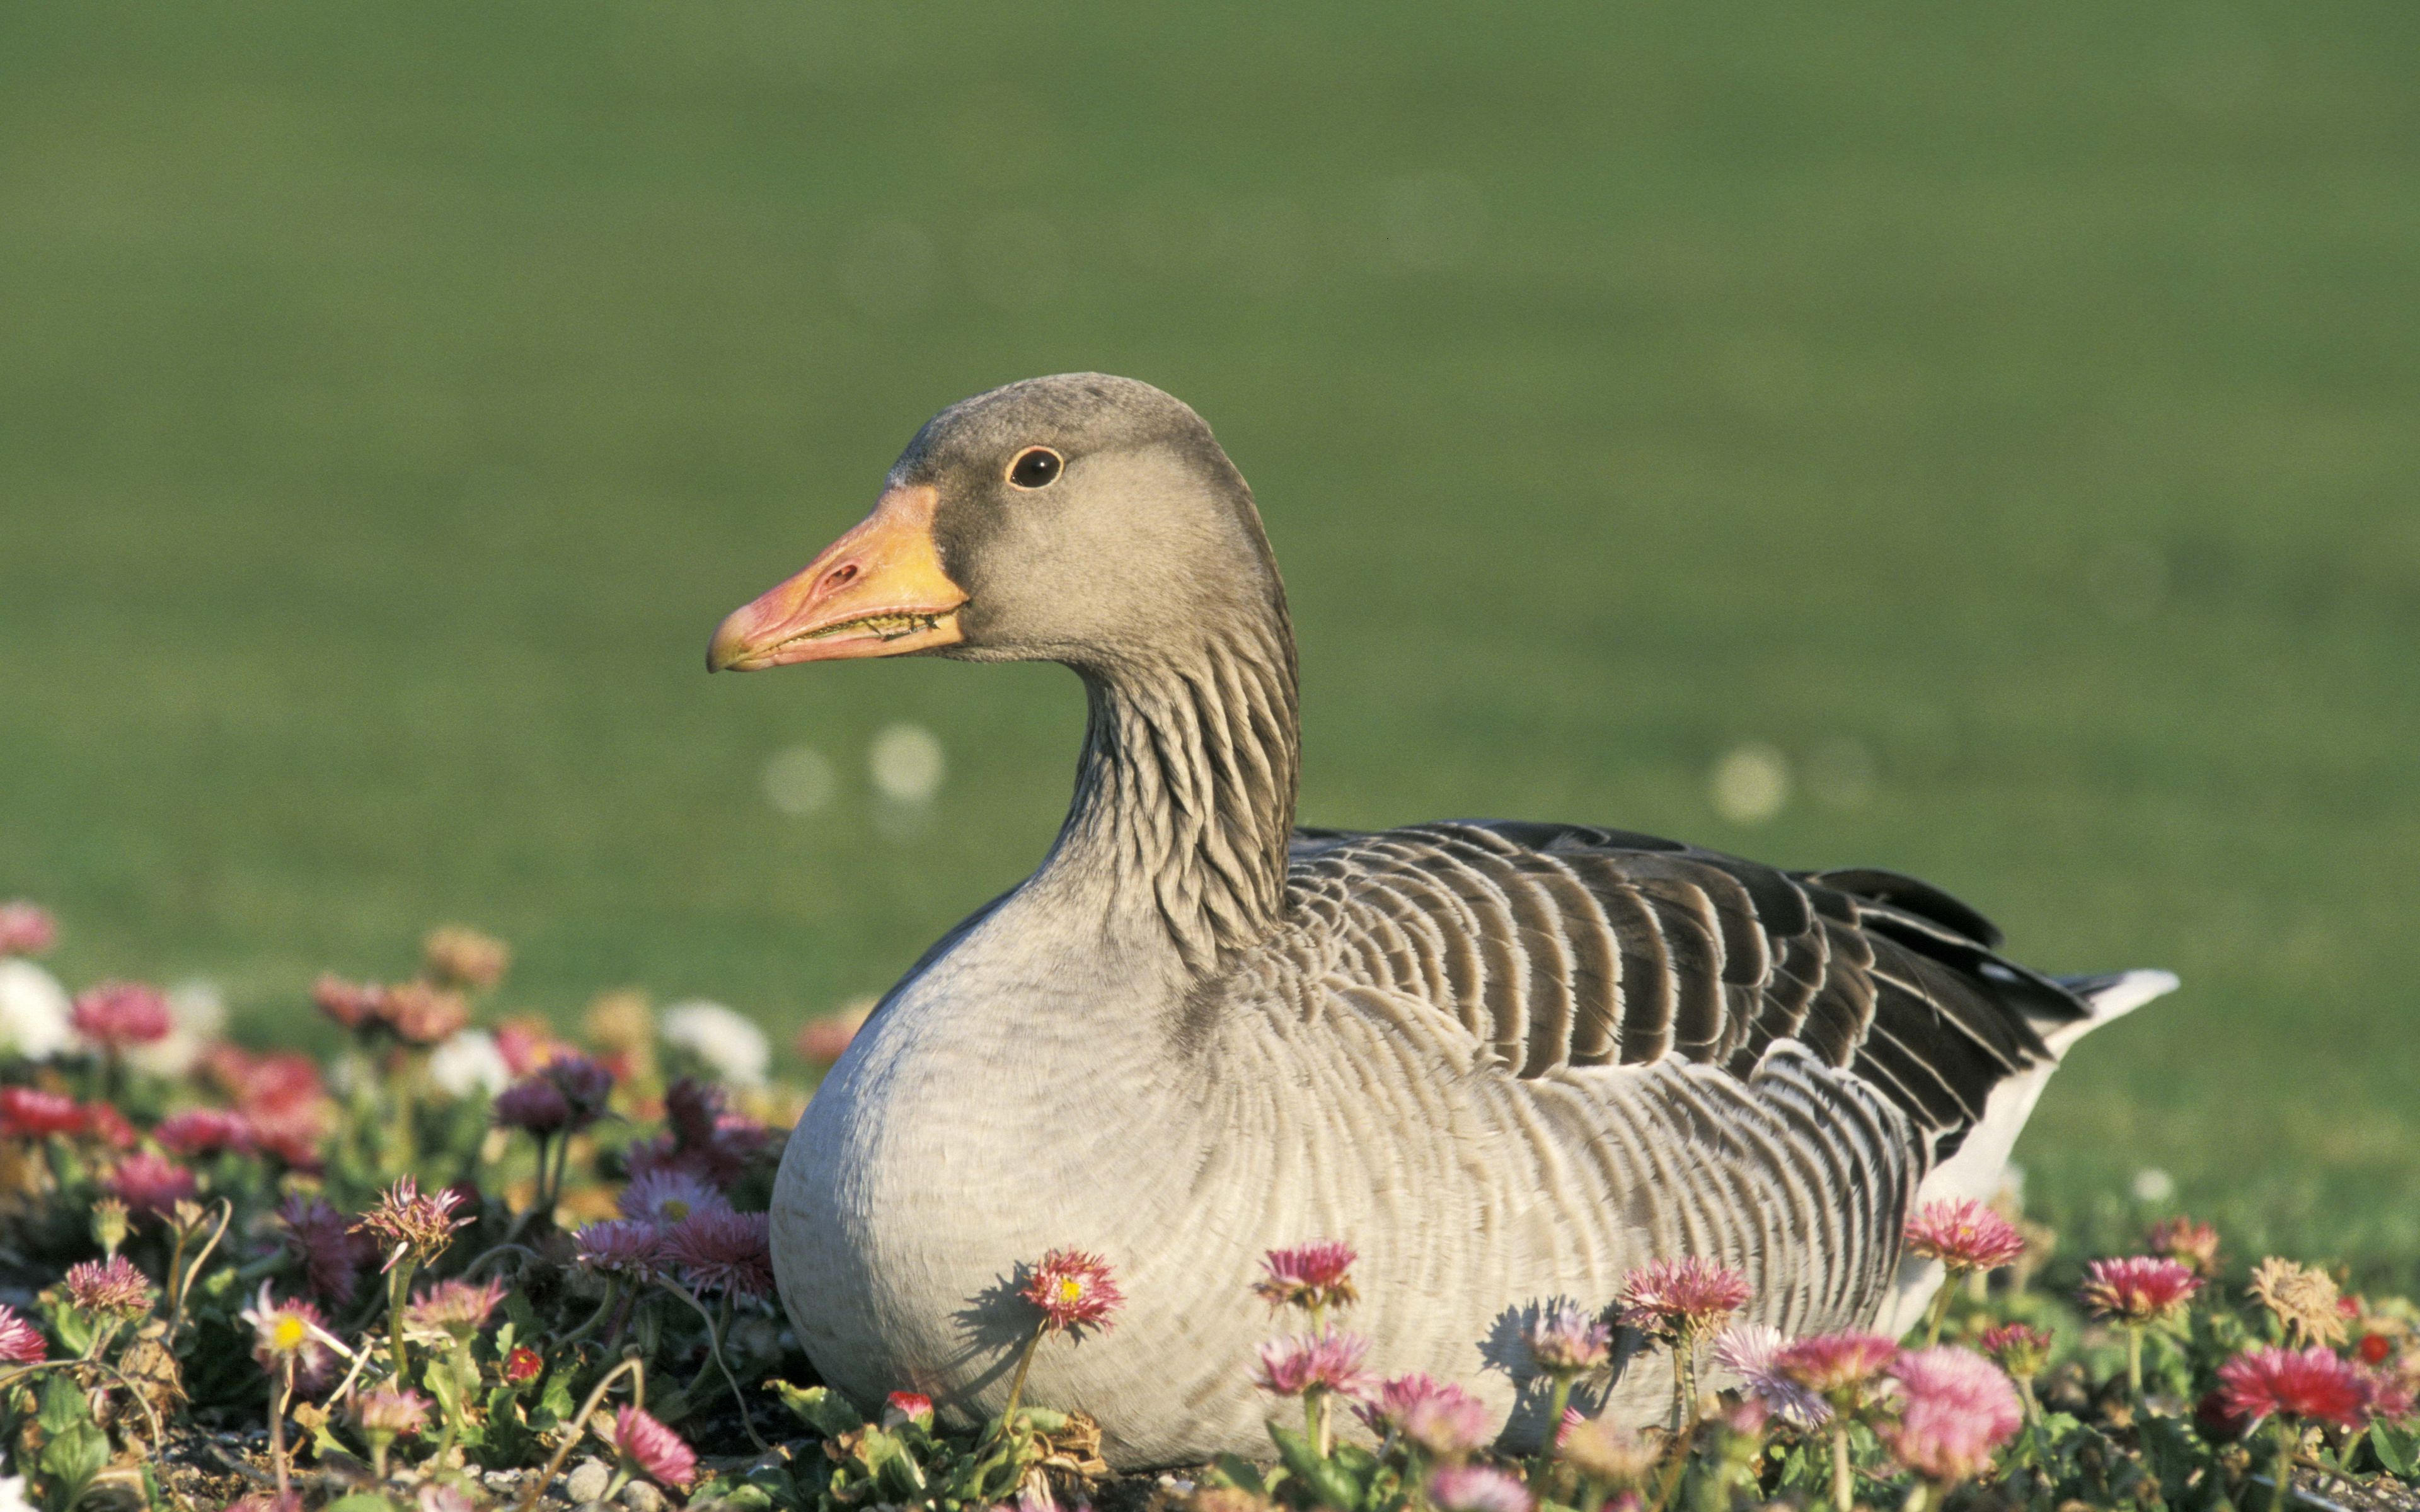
x: 391, y: 399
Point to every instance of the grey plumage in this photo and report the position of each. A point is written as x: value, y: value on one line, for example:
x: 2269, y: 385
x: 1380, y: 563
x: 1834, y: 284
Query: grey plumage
x: 1508, y: 1061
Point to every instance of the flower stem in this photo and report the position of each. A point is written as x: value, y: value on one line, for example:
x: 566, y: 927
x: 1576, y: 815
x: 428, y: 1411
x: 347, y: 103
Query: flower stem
x: 277, y: 1405
x: 1016, y: 1382
x: 714, y: 1351
x: 398, y: 1287
x: 631, y: 1365
x: 2135, y: 1363
x: 1934, y: 1317
x: 2282, y: 1468
x: 1557, y: 1398
x: 1843, y: 1483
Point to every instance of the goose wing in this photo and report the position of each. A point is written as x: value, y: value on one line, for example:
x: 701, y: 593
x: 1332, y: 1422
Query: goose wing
x: 1565, y: 946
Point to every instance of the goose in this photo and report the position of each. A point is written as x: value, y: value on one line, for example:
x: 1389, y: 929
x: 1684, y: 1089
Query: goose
x: 1507, y: 1061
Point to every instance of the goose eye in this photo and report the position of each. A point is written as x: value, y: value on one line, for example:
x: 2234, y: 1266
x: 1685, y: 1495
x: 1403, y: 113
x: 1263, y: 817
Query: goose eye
x: 1036, y: 467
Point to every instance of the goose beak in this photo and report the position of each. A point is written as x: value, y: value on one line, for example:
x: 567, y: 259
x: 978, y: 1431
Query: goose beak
x: 878, y: 591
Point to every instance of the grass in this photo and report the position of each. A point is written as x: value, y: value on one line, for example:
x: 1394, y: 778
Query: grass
x: 394, y: 399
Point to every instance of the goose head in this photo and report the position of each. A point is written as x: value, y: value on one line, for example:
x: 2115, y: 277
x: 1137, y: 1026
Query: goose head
x: 1082, y: 518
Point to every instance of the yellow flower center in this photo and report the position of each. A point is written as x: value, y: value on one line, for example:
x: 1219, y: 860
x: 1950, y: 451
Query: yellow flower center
x: 676, y: 1209
x: 1071, y: 1290
x: 286, y: 1334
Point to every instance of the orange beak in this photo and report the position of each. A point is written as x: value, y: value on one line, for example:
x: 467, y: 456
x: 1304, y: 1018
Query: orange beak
x: 878, y: 591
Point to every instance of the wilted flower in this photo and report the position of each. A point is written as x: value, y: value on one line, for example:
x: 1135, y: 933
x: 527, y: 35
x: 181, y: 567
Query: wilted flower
x: 648, y: 1446
x: 26, y: 930
x: 1964, y: 1235
x: 1566, y: 1340
x: 1329, y: 1361
x: 2190, y: 1243
x: 2310, y: 1385
x: 404, y: 1222
x: 726, y: 1041
x: 1476, y: 1489
x: 29, y: 1112
x: 1437, y: 1416
x: 667, y: 1198
x: 621, y: 1246
x: 333, y: 1255
x: 150, y: 1187
x: 455, y: 1306
x: 2303, y: 1298
x: 2137, y: 1289
x: 20, y: 1342
x: 118, y: 1015
x: 720, y: 1250
x: 1842, y: 1368
x: 533, y: 1104
x: 1955, y: 1408
x: 1676, y: 1300
x: 457, y: 957
x: 1602, y: 1450
x: 1313, y: 1276
x: 113, y: 1287
x: 289, y: 1334
x: 1074, y: 1289
x: 903, y: 1406
x: 2020, y: 1348
x: 1751, y: 1351
x: 197, y: 1132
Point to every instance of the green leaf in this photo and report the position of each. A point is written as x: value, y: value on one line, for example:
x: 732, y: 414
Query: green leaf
x: 2398, y: 1449
x: 554, y: 1404
x: 1327, y: 1482
x: 69, y: 1463
x: 820, y: 1408
x: 1241, y: 1473
x: 63, y: 1406
x: 361, y: 1502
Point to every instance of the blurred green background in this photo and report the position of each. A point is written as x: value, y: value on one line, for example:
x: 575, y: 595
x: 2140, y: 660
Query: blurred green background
x: 1988, y: 433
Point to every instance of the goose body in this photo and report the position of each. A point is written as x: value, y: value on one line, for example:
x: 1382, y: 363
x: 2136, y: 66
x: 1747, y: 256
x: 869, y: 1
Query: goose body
x: 1509, y: 1062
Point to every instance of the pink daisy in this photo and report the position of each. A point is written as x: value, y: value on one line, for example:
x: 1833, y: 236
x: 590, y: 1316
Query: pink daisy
x: 1964, y: 1235
x: 1075, y: 1290
x: 666, y: 1197
x: 150, y: 1187
x: 1329, y: 1361
x: 118, y: 1015
x: 20, y: 1342
x: 720, y: 1250
x: 2310, y: 1385
x: 28, y: 1113
x: 2019, y: 1349
x: 1842, y: 1368
x: 390, y: 1412
x: 1440, y: 1418
x: 1476, y: 1489
x: 197, y: 1132
x: 1753, y: 1351
x: 1314, y: 1276
x: 114, y: 1288
x: 653, y: 1449
x: 2138, y: 1290
x: 1956, y: 1408
x: 405, y: 1222
x: 1671, y: 1300
x: 621, y: 1246
x: 455, y: 1306
x: 291, y: 1333
x: 26, y: 930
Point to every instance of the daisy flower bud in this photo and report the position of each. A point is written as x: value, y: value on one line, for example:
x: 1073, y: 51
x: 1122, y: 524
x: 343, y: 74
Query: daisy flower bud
x: 2138, y: 1290
x: 2020, y: 1350
x: 1075, y: 1290
x: 1964, y: 1235
x: 523, y: 1365
x: 1310, y: 1276
x: 903, y: 1406
x: 1566, y: 1341
x: 654, y: 1450
x: 110, y: 1222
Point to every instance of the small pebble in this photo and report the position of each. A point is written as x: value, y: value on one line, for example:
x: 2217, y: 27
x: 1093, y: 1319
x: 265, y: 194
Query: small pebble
x: 641, y: 1497
x: 588, y: 1481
